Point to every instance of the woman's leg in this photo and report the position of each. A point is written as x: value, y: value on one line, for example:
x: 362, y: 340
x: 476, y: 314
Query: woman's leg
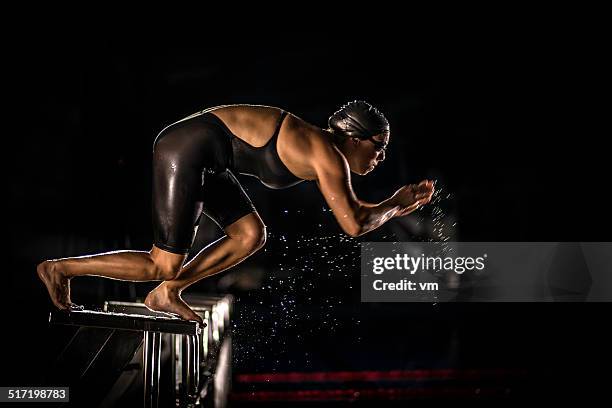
x: 156, y: 264
x: 178, y: 162
x: 226, y: 202
x: 244, y: 237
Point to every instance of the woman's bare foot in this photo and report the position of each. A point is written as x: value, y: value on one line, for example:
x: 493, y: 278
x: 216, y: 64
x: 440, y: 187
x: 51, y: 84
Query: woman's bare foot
x: 164, y: 299
x: 57, y: 284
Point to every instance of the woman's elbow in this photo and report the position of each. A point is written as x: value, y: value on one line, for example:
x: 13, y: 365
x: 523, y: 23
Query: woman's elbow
x: 351, y: 224
x: 353, y: 230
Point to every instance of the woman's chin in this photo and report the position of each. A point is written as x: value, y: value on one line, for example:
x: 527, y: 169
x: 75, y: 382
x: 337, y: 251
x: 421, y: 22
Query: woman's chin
x: 364, y: 171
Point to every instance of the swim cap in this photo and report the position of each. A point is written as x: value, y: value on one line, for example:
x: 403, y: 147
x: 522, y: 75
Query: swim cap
x: 358, y: 119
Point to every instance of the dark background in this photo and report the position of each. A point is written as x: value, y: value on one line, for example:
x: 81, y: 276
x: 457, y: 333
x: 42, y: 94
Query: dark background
x: 509, y: 128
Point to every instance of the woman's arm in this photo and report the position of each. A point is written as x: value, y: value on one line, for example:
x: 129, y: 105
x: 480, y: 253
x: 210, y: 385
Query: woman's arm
x: 375, y: 215
x: 356, y: 217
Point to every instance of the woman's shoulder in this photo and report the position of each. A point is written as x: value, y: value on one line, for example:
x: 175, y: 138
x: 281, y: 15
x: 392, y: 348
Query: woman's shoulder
x: 305, y: 132
x: 315, y: 143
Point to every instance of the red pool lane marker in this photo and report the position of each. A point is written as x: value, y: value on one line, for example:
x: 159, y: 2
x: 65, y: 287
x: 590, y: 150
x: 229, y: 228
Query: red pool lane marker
x: 369, y: 394
x: 344, y: 376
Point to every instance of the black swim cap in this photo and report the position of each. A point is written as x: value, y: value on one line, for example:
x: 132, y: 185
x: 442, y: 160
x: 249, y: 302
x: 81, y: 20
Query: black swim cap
x: 358, y: 119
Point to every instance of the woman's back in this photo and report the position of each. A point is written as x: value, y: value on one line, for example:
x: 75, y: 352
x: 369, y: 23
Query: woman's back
x: 255, y: 124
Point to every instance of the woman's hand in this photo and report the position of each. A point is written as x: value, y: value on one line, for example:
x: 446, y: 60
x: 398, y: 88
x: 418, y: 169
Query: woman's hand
x: 412, y: 196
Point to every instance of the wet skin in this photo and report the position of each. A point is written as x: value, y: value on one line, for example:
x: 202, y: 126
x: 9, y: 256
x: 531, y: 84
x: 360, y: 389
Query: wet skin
x: 244, y: 237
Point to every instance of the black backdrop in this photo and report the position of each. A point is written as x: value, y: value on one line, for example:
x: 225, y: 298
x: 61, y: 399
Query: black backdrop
x: 508, y: 127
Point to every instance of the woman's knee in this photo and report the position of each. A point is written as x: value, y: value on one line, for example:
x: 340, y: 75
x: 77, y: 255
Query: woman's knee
x: 249, y: 231
x: 165, y: 265
x: 253, y: 238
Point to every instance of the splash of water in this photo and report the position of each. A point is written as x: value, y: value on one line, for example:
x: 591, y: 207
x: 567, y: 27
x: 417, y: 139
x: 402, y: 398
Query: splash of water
x: 298, y: 298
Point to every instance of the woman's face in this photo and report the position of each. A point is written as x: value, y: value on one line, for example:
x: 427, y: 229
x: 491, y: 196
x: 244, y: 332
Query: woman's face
x: 366, y: 155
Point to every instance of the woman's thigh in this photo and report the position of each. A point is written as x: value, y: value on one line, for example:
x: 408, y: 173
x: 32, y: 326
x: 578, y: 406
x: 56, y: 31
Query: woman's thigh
x: 224, y: 199
x: 182, y: 157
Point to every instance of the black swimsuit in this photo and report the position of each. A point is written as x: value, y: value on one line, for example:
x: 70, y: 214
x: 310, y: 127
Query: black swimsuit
x: 193, y: 161
x: 263, y: 162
